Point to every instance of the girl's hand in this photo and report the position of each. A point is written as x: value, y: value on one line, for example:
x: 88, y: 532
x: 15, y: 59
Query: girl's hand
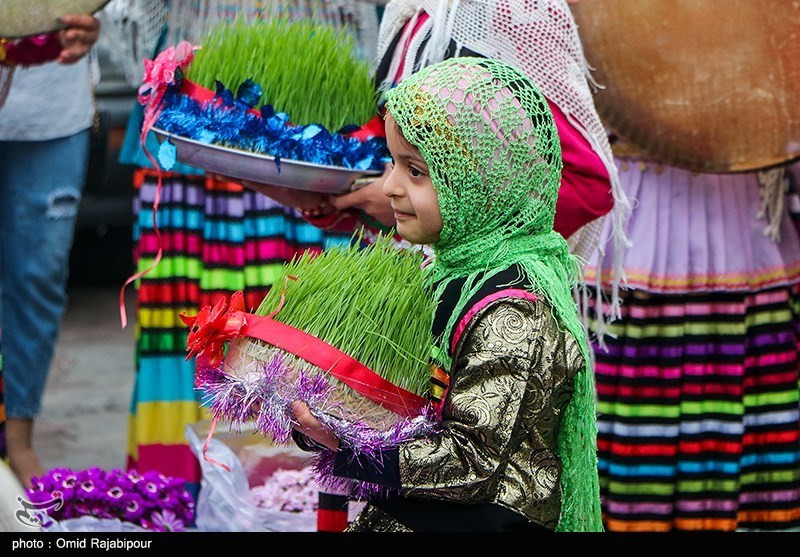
x: 80, y: 34
x: 311, y: 426
x: 370, y: 199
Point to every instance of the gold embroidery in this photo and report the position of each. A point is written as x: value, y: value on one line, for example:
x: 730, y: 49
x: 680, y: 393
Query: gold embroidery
x: 511, y: 380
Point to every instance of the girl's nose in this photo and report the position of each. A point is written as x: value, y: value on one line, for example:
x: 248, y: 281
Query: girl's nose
x: 390, y: 184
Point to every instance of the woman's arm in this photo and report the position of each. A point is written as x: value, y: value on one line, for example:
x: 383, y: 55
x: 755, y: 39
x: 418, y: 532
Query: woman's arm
x: 78, y: 37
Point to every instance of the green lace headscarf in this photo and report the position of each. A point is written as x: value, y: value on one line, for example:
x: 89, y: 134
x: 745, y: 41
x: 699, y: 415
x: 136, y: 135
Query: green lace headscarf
x: 492, y: 150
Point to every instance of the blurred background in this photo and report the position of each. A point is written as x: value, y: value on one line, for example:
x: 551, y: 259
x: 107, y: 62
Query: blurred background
x: 102, y: 252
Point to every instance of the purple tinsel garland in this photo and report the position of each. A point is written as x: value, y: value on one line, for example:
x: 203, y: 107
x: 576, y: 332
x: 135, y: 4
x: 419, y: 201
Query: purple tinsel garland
x: 263, y: 397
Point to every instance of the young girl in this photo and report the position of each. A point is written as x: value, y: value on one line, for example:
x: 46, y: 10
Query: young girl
x: 476, y: 172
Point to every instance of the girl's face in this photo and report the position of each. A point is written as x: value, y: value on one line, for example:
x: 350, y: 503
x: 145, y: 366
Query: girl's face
x: 409, y: 187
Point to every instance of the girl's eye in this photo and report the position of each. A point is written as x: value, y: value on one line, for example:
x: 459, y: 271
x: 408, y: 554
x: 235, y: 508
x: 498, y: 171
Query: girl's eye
x: 415, y: 172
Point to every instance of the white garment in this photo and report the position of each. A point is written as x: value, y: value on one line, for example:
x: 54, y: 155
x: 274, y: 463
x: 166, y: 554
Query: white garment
x: 49, y: 101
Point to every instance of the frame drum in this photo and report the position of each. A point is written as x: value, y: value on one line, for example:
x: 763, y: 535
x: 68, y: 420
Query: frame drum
x: 710, y: 86
x: 22, y: 18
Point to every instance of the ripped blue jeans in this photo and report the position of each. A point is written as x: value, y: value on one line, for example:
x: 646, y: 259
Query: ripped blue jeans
x: 40, y: 189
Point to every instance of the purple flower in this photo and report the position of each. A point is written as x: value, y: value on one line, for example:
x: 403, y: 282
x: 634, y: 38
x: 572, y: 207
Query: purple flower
x: 127, y: 496
x: 134, y: 507
x: 87, y: 486
x: 135, y: 477
x: 115, y: 492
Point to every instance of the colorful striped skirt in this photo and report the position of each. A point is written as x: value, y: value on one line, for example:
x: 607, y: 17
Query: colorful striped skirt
x: 698, y: 394
x: 698, y: 425
x: 216, y: 238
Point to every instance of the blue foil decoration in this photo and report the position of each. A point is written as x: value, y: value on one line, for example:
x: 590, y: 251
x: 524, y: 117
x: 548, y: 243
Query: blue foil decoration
x: 167, y: 155
x: 233, y: 121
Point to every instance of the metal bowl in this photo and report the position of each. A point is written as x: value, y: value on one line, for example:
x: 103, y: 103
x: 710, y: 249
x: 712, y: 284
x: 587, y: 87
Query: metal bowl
x: 261, y: 168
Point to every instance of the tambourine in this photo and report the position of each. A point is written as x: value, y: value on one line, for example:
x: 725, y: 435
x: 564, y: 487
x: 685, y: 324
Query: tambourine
x: 706, y: 86
x: 23, y: 18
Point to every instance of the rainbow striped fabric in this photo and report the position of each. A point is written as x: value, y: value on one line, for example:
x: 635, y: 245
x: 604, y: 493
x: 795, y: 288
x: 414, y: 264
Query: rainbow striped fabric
x: 699, y: 416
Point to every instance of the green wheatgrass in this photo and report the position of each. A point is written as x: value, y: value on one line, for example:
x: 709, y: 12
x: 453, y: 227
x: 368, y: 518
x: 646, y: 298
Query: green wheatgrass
x: 371, y: 303
x: 307, y: 70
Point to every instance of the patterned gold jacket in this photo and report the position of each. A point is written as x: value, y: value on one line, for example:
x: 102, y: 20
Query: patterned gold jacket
x: 494, y: 466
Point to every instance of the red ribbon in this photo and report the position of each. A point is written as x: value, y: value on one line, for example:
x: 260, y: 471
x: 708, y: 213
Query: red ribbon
x: 204, y: 95
x: 207, y: 444
x: 159, y: 75
x: 211, y: 328
x: 373, y: 128
x: 346, y: 369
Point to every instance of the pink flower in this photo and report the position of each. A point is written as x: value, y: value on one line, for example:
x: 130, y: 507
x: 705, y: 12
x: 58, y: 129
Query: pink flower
x: 166, y: 521
x: 160, y: 73
x: 289, y: 491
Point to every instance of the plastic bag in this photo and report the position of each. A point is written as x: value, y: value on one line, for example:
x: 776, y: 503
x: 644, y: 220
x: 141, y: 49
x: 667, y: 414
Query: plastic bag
x: 10, y: 489
x: 224, y: 503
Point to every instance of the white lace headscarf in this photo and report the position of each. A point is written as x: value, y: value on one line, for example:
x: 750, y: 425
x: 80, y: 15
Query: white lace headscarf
x: 540, y: 37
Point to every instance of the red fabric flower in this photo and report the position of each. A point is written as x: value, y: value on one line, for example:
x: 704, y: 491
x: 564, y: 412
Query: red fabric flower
x: 211, y: 328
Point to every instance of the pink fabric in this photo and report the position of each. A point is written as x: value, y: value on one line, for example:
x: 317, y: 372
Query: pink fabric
x: 507, y: 293
x: 409, y: 32
x: 176, y: 461
x: 585, y: 193
x: 29, y: 51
